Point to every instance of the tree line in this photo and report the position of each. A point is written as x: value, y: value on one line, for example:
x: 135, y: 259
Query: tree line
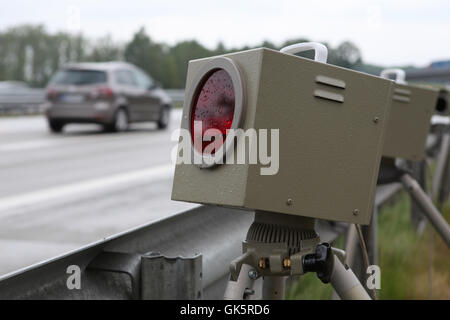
x: 30, y: 53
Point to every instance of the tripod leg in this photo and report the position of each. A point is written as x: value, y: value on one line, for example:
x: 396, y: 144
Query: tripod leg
x: 419, y: 173
x: 352, y: 249
x: 372, y: 238
x: 346, y: 284
x: 430, y: 211
x: 238, y: 290
x: 274, y: 288
x: 441, y: 174
x: 351, y: 245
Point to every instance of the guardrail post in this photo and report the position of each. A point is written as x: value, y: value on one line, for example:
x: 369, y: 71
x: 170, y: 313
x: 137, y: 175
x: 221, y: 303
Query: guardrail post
x: 170, y: 278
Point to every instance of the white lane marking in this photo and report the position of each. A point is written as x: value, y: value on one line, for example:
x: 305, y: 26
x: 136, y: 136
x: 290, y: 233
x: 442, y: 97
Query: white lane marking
x: 86, y: 187
x: 28, y: 145
x: 62, y: 140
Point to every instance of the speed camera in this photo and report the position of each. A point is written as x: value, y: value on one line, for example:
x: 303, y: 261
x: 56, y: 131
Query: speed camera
x: 316, y: 131
x: 409, y: 124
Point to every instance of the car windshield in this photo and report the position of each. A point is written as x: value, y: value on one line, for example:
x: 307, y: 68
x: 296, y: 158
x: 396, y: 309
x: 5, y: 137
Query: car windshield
x: 79, y: 77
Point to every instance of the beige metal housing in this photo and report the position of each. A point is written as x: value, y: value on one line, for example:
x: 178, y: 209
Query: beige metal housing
x: 409, y: 124
x: 331, y: 124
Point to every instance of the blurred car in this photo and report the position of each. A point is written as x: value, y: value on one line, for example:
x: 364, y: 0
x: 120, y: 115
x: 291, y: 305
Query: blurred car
x: 113, y: 94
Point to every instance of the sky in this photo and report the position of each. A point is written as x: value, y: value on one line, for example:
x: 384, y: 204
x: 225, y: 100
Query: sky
x: 389, y: 33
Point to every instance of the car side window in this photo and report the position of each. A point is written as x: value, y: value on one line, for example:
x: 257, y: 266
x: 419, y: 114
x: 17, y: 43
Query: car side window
x: 143, y: 81
x: 126, y: 77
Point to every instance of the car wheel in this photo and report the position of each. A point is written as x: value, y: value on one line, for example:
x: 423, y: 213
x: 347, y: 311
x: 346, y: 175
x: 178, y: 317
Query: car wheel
x: 164, y: 117
x: 55, y: 126
x: 120, y: 121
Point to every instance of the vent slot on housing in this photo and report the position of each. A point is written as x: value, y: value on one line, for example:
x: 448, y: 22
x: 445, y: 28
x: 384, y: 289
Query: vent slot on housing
x: 330, y: 95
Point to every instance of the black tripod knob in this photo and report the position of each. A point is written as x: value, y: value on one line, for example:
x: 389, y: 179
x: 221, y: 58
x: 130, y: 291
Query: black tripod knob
x: 321, y: 262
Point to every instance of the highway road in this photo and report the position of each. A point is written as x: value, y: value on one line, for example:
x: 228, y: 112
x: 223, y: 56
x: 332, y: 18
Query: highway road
x: 60, y: 192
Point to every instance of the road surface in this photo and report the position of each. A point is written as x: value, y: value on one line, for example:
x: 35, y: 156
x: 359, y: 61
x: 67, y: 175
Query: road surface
x: 60, y: 192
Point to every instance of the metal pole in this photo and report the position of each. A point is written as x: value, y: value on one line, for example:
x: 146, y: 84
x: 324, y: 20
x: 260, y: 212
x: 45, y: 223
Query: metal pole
x: 352, y: 252
x: 372, y: 238
x: 346, y: 284
x: 351, y: 246
x: 354, y: 257
x: 430, y: 211
x: 274, y: 288
x: 238, y: 290
x: 418, y: 172
x: 440, y: 173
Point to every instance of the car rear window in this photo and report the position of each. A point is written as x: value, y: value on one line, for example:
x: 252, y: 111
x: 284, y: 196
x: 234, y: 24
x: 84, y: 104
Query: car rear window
x: 79, y: 77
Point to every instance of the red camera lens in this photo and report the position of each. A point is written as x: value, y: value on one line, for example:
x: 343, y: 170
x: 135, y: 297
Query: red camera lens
x: 213, y: 105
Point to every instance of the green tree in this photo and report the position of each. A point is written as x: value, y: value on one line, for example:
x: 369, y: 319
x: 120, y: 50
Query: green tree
x: 269, y: 45
x: 147, y: 55
x: 220, y: 49
x: 29, y: 53
x: 346, y: 55
x: 105, y: 50
x: 182, y: 53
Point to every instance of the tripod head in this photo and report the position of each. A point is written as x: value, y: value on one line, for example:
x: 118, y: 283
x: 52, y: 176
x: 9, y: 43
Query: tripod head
x: 276, y: 244
x: 284, y: 245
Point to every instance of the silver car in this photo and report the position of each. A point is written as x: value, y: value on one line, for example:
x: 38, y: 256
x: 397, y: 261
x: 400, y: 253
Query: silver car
x: 113, y: 94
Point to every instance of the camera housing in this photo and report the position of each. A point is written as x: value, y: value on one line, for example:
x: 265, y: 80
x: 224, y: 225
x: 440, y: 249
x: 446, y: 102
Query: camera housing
x: 331, y: 121
x: 409, y: 125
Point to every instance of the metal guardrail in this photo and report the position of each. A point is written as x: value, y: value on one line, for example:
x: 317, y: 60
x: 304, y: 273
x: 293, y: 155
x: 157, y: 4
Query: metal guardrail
x: 32, y: 101
x: 216, y: 233
x: 108, y: 266
x: 177, y: 95
x: 22, y: 101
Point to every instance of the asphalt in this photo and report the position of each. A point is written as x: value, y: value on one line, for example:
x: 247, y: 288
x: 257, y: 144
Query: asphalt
x: 60, y: 192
